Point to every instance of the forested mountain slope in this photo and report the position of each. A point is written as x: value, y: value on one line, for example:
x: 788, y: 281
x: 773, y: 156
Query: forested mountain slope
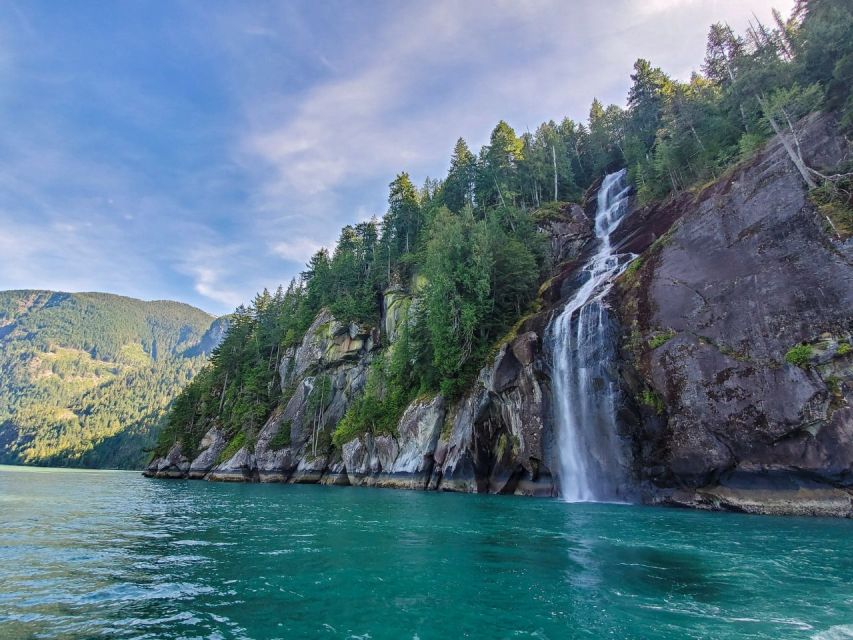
x: 418, y: 354
x: 85, y: 377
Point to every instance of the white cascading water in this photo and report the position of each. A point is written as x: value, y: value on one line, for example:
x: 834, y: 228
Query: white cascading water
x: 592, y: 455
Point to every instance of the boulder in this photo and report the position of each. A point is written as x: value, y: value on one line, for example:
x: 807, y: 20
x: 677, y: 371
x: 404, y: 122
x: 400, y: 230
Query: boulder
x: 241, y: 467
x: 173, y: 465
x: 212, y: 445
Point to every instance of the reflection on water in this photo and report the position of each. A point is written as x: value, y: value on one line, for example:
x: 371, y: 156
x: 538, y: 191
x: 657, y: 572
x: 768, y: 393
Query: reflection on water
x: 110, y: 554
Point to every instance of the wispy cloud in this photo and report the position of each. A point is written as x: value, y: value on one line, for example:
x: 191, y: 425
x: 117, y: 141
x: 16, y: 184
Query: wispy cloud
x: 297, y: 250
x: 207, y: 284
x: 442, y: 69
x: 185, y: 152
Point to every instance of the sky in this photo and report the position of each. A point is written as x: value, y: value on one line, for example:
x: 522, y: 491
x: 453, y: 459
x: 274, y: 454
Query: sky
x: 201, y: 151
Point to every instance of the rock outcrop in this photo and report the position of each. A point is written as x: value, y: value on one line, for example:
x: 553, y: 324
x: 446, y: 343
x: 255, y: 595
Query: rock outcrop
x: 716, y: 411
x: 499, y: 441
x: 725, y: 418
x: 241, y: 467
x: 403, y: 461
x: 212, y: 445
x: 395, y: 306
x: 173, y: 465
x: 327, y: 343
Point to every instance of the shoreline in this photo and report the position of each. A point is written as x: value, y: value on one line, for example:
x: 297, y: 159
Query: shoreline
x: 828, y: 502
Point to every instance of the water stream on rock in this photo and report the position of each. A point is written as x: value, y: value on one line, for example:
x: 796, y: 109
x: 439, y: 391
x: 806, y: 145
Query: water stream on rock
x: 592, y: 460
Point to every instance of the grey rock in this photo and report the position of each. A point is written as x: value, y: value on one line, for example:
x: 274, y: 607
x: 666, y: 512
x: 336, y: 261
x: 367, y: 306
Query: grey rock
x: 329, y: 342
x: 746, y: 273
x: 418, y: 432
x: 212, y: 445
x: 821, y: 501
x: 568, y: 232
x: 310, y: 469
x: 366, y: 458
x: 286, y: 367
x: 275, y: 464
x: 501, y: 440
x: 395, y: 307
x: 173, y: 465
x: 241, y: 467
x: 336, y: 473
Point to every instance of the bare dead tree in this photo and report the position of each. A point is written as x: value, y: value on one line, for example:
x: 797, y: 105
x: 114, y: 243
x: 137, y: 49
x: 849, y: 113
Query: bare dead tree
x: 554, y: 158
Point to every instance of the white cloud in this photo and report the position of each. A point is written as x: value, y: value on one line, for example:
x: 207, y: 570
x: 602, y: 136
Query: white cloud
x: 320, y: 112
x: 658, y: 6
x: 70, y: 257
x: 296, y: 250
x: 521, y: 61
x: 207, y: 284
x: 212, y: 268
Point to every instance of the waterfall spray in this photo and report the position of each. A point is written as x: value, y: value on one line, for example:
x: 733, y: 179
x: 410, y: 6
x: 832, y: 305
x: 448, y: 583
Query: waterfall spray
x: 592, y: 457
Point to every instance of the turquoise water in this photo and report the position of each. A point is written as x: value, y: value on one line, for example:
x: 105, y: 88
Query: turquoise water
x: 100, y: 554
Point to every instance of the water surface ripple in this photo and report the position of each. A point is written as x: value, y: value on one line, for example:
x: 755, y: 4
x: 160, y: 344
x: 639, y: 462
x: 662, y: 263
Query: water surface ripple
x: 100, y: 554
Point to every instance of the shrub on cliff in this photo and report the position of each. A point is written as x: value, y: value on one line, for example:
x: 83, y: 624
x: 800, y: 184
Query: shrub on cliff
x: 799, y: 355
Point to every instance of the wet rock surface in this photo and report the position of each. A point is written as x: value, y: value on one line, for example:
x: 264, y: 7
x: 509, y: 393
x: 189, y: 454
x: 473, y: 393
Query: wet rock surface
x: 746, y: 274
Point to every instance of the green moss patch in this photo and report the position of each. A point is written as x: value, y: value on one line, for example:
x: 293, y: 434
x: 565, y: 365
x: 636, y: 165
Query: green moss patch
x: 237, y: 443
x: 661, y: 338
x: 799, y: 355
x: 652, y: 399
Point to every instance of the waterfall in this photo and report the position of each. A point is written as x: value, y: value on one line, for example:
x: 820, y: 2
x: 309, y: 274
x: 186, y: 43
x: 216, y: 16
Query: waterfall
x: 591, y: 453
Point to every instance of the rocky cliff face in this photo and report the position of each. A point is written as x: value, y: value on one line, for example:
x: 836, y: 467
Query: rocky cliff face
x: 722, y: 418
x: 495, y: 439
x: 728, y: 281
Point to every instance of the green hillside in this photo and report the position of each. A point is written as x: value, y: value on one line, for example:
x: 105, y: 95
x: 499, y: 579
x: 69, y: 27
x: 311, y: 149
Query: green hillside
x: 467, y: 248
x: 85, y: 377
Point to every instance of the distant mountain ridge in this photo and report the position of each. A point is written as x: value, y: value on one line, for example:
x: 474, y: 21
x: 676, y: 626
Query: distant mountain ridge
x: 86, y: 377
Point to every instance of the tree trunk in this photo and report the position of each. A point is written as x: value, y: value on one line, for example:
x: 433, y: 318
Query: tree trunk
x: 222, y: 395
x: 500, y: 195
x: 743, y: 118
x: 554, y: 158
x: 792, y: 154
x: 696, y: 135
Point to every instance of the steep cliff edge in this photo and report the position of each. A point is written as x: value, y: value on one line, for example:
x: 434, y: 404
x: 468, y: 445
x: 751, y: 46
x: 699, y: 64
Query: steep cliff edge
x: 496, y: 438
x: 716, y: 410
x: 737, y: 329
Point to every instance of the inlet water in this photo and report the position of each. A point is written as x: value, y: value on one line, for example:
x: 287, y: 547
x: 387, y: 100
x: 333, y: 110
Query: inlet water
x: 592, y: 456
x: 111, y: 555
